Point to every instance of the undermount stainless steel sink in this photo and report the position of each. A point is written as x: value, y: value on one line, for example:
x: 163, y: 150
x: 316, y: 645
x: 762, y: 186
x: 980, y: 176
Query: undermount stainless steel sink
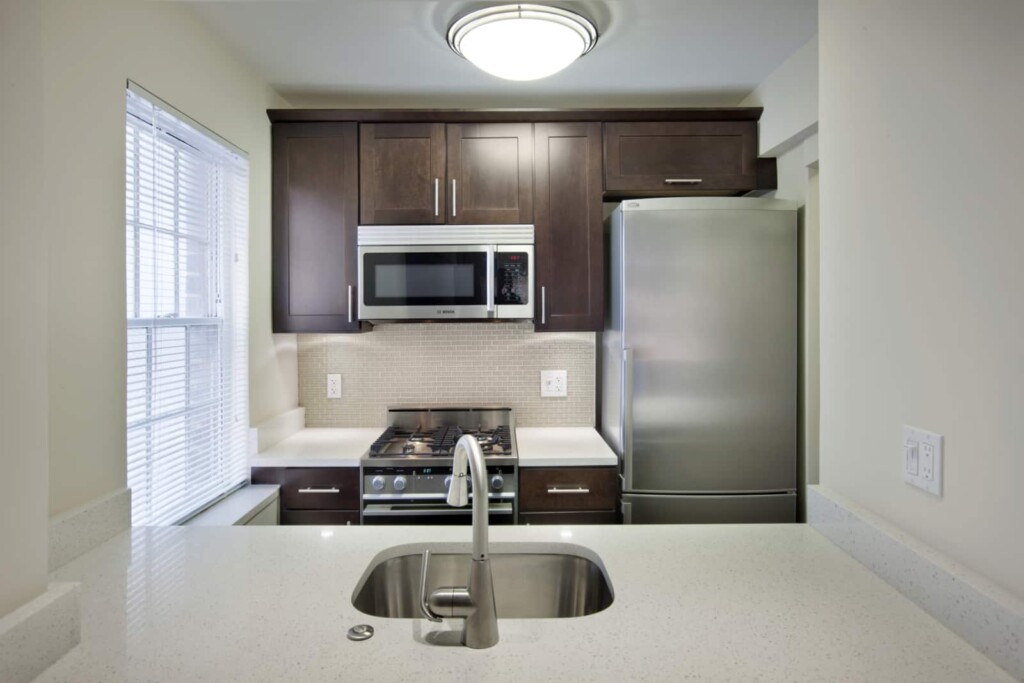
x: 530, y: 581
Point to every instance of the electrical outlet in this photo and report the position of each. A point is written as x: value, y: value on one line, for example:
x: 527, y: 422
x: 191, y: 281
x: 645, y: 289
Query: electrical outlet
x: 554, y: 383
x: 922, y: 459
x: 333, y: 386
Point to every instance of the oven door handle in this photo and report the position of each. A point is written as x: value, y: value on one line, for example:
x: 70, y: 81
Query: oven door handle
x: 423, y: 511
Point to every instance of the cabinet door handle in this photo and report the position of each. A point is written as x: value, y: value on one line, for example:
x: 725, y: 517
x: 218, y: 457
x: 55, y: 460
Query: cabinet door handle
x: 350, y: 303
x: 490, y: 278
x: 559, y: 489
x: 455, y: 195
x: 683, y: 181
x: 437, y: 194
x: 312, y: 490
x: 543, y: 306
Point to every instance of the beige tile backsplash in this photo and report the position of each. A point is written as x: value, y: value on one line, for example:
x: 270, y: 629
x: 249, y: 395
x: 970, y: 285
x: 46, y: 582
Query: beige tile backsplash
x: 464, y: 364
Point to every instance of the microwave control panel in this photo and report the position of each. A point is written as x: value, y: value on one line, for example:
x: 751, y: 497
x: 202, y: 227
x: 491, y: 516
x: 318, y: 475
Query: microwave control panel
x: 512, y: 278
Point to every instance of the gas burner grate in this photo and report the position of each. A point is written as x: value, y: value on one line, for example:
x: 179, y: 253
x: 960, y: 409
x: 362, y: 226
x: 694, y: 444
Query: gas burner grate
x: 382, y: 441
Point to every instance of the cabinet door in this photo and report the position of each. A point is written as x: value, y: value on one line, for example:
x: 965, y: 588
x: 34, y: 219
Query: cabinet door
x: 597, y: 517
x: 568, y: 220
x: 490, y: 173
x: 680, y: 157
x: 315, y: 195
x: 401, y: 173
x: 320, y: 517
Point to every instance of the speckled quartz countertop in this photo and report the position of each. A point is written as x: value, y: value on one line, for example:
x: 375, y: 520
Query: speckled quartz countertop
x: 343, y: 447
x: 319, y: 447
x: 562, y: 447
x: 710, y: 603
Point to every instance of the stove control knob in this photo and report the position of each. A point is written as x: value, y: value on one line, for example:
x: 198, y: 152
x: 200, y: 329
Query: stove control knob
x: 497, y: 482
x: 377, y: 483
x: 448, y: 482
x: 399, y: 483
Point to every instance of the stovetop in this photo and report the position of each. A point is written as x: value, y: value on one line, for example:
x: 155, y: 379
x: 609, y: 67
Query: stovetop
x: 433, y: 442
x: 427, y: 436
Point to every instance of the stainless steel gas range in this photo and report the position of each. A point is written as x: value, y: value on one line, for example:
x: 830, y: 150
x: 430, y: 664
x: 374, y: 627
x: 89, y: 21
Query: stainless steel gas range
x: 405, y: 475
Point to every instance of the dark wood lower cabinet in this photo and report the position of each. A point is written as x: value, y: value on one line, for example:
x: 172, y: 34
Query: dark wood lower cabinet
x: 601, y: 517
x: 314, y: 495
x: 568, y: 495
x: 324, y: 517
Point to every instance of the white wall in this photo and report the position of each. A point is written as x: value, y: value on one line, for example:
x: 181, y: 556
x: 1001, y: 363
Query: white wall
x: 91, y: 48
x: 23, y: 427
x: 790, y: 98
x: 788, y: 132
x: 921, y: 277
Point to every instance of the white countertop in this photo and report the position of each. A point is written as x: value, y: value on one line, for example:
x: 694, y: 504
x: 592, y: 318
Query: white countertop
x: 319, y: 447
x: 537, y: 447
x: 711, y: 603
x: 562, y: 447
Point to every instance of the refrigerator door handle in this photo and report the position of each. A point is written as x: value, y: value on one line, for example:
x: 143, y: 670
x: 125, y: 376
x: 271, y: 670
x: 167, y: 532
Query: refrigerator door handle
x: 627, y: 416
x: 627, y: 513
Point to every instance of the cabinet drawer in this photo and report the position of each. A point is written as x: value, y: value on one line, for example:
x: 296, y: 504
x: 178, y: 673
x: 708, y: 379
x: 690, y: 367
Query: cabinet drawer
x: 313, y: 488
x: 321, y: 517
x: 595, y: 517
x: 553, y: 489
x: 680, y: 157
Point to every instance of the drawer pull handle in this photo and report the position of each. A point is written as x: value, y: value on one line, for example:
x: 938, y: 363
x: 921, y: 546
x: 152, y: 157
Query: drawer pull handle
x: 683, y: 181
x: 578, y: 489
x: 311, y: 490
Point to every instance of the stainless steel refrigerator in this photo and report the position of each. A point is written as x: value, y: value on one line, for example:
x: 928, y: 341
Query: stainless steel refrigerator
x: 699, y: 359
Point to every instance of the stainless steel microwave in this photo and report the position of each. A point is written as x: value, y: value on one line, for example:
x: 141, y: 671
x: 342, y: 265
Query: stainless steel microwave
x: 445, y: 272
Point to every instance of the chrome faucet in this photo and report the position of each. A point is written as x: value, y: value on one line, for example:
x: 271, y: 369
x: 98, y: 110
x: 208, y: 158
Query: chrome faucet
x: 475, y: 602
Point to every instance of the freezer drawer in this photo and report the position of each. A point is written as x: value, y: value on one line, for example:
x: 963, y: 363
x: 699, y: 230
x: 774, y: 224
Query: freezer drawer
x: 682, y: 509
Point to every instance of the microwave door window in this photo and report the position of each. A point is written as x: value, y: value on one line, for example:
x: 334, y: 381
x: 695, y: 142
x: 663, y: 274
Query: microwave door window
x: 426, y: 279
x: 455, y: 281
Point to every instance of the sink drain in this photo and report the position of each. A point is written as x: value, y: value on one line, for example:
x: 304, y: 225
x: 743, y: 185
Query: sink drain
x: 360, y: 632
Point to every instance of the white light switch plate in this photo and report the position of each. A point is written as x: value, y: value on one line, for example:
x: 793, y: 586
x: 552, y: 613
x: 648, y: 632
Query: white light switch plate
x: 554, y: 383
x: 922, y: 459
x: 333, y: 386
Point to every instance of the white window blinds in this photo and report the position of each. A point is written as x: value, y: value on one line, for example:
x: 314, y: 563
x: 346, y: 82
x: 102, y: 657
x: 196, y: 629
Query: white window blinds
x: 186, y: 196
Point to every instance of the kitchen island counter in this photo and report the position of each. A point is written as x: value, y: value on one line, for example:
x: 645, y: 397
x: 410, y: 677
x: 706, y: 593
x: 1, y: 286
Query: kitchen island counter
x: 728, y: 603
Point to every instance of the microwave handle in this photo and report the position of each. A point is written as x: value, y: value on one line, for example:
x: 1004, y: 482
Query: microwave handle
x: 490, y: 279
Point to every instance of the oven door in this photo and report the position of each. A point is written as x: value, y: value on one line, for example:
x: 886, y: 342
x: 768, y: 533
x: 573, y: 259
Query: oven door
x: 426, y: 282
x: 415, y: 514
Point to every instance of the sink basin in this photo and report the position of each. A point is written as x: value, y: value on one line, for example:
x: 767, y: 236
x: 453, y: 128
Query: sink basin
x: 531, y: 581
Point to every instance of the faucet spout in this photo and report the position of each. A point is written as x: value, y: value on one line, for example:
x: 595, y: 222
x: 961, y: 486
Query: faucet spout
x: 468, y: 451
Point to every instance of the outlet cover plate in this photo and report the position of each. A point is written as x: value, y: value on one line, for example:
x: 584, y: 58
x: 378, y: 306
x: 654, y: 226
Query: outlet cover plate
x: 333, y: 385
x: 554, y: 383
x: 922, y: 459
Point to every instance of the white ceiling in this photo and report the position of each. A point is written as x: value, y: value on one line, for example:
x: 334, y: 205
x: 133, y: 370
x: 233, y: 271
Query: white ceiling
x: 392, y: 53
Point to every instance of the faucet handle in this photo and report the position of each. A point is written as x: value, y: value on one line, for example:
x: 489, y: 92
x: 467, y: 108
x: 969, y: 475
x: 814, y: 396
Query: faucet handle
x: 424, y: 607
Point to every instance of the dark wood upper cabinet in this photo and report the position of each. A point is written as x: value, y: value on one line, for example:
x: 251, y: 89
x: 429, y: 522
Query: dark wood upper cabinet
x: 490, y: 173
x: 401, y: 173
x: 315, y: 199
x: 568, y: 221
x: 680, y: 158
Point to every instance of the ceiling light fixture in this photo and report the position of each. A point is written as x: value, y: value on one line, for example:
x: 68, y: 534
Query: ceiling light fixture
x: 522, y: 42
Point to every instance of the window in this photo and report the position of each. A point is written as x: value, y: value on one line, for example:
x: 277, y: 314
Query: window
x: 186, y: 220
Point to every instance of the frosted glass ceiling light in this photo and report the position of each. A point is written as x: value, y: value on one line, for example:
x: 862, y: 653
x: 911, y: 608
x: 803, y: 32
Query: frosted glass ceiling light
x: 522, y: 42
